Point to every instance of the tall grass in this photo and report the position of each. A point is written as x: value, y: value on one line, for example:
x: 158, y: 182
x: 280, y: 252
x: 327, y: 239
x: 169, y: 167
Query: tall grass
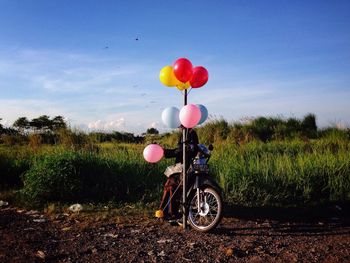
x: 294, y: 172
x: 284, y: 173
x: 116, y: 173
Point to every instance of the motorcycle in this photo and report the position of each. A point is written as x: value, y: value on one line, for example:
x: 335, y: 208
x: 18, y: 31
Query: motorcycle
x: 204, y: 196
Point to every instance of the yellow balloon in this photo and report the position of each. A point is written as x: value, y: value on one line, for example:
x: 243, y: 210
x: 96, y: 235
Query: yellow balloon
x: 183, y: 86
x: 167, y: 77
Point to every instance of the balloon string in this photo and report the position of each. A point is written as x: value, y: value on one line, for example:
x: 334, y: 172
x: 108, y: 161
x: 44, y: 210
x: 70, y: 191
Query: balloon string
x: 189, y: 91
x: 171, y: 197
x: 183, y: 91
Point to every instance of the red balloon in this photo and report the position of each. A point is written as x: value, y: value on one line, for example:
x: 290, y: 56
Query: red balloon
x: 199, y: 77
x: 183, y: 69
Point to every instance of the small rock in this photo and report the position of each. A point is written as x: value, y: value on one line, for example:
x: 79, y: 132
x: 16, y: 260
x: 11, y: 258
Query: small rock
x: 161, y: 254
x: 260, y: 249
x: 163, y: 241
x: 32, y: 212
x: 75, y: 208
x: 266, y: 223
x: 29, y: 229
x: 3, y: 203
x: 39, y: 220
x: 191, y: 245
x: 110, y: 235
x: 40, y: 254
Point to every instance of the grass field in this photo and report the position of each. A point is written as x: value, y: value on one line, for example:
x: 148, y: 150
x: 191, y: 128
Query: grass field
x: 282, y: 173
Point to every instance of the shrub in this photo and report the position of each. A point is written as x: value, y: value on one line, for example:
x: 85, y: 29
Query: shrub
x: 81, y: 177
x: 35, y: 141
x: 240, y: 134
x: 76, y: 140
x: 309, y: 126
x: 11, y: 169
x: 71, y: 176
x: 213, y: 131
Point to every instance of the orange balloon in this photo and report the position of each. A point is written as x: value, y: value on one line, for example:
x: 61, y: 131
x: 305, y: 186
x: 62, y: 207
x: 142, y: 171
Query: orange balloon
x: 183, y: 86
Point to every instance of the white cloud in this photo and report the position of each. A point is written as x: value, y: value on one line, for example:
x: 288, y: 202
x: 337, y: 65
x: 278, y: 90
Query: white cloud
x: 100, y: 125
x: 154, y: 124
x: 110, y: 93
x: 70, y: 72
x: 6, y: 122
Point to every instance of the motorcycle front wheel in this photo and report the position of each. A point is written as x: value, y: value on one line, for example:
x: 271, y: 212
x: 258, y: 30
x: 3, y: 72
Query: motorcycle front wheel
x: 207, y: 215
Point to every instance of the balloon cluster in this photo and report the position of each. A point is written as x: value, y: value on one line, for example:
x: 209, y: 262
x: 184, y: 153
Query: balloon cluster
x: 189, y: 116
x: 183, y: 75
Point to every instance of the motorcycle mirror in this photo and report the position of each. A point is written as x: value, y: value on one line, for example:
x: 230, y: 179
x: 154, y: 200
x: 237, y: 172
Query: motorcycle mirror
x: 210, y: 147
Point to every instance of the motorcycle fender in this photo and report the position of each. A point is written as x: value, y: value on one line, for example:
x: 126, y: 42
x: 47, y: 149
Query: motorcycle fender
x: 203, y: 179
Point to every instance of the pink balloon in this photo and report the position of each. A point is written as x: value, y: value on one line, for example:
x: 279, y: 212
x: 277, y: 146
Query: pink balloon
x: 153, y: 153
x: 190, y: 115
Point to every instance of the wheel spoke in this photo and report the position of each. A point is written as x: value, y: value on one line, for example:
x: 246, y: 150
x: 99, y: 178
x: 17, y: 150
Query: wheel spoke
x: 209, y: 209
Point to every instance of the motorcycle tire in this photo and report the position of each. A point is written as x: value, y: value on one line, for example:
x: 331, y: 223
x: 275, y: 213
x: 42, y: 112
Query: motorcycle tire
x: 211, y: 209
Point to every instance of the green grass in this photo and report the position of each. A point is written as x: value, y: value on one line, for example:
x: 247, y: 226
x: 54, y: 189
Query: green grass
x: 283, y: 173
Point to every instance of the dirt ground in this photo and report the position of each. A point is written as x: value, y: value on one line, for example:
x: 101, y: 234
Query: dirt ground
x: 246, y: 235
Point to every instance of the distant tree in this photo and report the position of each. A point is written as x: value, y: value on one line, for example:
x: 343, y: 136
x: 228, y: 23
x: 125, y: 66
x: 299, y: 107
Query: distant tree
x: 21, y: 124
x: 309, y: 122
x: 58, y: 123
x: 7, y: 131
x: 152, y: 131
x: 263, y: 127
x: 293, y: 124
x: 41, y: 124
x: 1, y: 127
x: 309, y: 125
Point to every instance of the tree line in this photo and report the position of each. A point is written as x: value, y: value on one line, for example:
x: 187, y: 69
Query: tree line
x: 42, y: 124
x: 55, y: 130
x: 49, y: 130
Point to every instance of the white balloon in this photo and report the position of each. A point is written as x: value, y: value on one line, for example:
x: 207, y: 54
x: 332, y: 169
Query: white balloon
x: 170, y: 117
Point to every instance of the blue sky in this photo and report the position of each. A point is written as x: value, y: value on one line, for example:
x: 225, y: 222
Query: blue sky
x: 80, y: 59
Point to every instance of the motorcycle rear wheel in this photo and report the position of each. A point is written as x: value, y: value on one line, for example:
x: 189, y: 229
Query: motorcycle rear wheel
x: 211, y: 210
